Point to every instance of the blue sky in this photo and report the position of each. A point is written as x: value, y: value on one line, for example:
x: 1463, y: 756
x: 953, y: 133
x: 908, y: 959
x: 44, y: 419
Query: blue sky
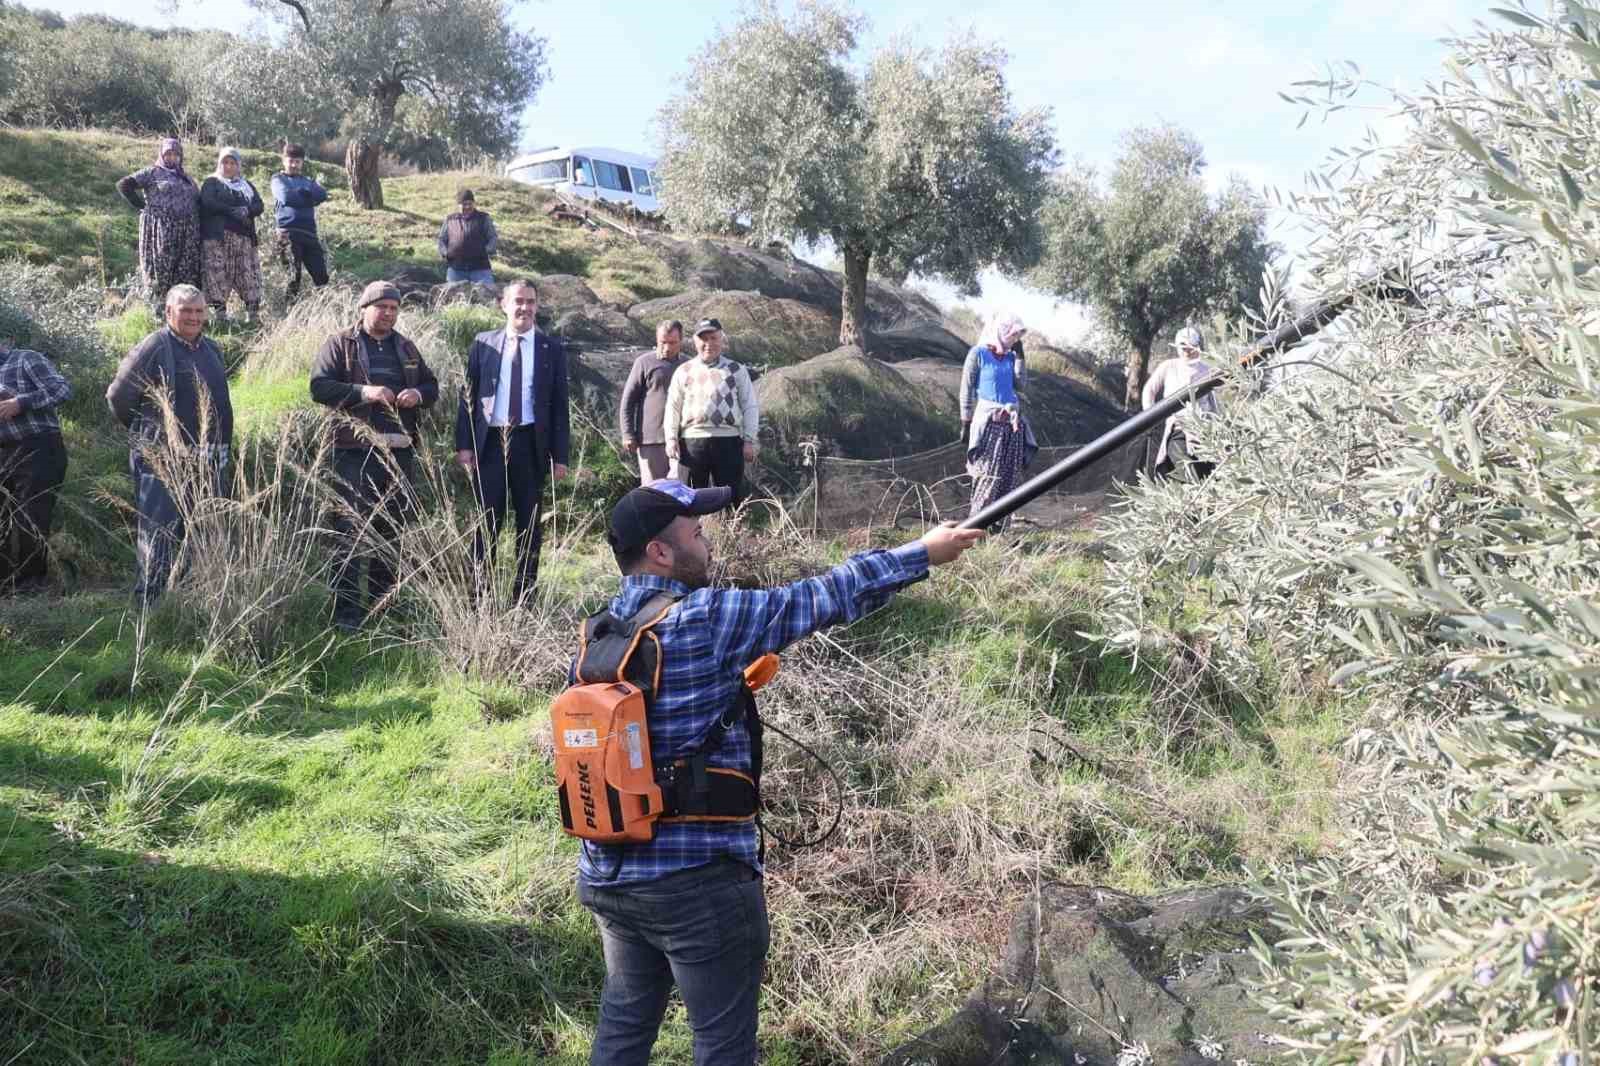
x: 1212, y: 67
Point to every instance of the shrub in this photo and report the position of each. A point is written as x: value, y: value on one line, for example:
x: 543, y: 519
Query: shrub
x: 91, y: 71
x: 1412, y: 515
x: 39, y: 311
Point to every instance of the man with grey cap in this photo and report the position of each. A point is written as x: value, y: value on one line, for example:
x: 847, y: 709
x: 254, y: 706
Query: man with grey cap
x: 688, y: 907
x: 1171, y: 378
x: 375, y: 380
x: 712, y: 423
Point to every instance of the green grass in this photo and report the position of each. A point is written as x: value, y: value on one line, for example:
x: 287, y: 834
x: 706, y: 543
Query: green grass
x: 59, y: 206
x: 310, y: 885
x: 367, y: 867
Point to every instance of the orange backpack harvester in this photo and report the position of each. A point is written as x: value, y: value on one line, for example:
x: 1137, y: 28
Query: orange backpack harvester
x: 609, y: 789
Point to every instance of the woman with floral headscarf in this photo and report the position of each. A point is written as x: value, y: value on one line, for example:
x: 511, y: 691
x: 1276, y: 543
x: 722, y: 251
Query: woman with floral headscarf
x: 1000, y: 443
x: 169, y: 222
x: 229, y: 207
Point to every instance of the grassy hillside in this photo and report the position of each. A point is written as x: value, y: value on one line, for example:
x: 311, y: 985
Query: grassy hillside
x: 228, y: 836
x: 59, y: 206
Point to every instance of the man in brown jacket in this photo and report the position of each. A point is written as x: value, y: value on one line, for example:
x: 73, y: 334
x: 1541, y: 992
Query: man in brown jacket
x: 377, y: 381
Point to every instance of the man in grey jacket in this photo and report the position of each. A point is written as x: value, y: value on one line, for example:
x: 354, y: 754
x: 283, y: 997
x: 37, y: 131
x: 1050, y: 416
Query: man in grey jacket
x: 171, y: 392
x: 641, y: 414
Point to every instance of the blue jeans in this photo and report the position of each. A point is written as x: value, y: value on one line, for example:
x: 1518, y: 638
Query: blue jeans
x: 705, y: 929
x: 477, y: 277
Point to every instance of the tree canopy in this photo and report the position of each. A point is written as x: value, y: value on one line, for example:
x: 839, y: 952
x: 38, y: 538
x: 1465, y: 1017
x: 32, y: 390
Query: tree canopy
x: 1151, y: 249
x: 460, y: 65
x: 918, y: 164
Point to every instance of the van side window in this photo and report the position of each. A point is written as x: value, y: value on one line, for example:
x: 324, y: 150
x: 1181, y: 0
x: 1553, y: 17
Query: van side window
x: 549, y: 170
x: 581, y: 172
x: 611, y: 176
x: 641, y: 181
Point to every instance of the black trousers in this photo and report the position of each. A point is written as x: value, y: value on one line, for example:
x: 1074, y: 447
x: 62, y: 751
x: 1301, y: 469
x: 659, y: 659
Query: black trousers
x: 31, y: 472
x: 512, y: 465
x: 305, y: 251
x: 378, y: 503
x: 1181, y: 463
x: 707, y: 461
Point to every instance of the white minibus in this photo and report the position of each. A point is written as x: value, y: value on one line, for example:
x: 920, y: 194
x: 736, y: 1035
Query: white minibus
x: 590, y: 174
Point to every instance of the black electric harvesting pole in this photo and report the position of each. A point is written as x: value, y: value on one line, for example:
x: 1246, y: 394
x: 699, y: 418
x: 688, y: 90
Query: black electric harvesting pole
x: 1286, y: 335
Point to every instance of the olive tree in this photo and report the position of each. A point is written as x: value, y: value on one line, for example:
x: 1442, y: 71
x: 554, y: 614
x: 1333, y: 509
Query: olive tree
x: 250, y: 91
x: 917, y: 164
x: 1410, y: 517
x: 462, y: 58
x: 1150, y: 248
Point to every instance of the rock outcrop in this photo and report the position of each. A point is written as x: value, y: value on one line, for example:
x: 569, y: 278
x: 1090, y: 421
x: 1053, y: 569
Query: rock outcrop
x: 1091, y: 974
x: 760, y: 328
x: 717, y: 263
x: 861, y: 407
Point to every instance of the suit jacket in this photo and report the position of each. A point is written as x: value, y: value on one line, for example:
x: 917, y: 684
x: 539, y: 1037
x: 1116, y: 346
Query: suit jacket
x: 549, y: 392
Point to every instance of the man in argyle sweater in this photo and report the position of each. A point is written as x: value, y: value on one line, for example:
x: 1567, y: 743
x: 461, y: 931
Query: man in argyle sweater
x: 712, y: 424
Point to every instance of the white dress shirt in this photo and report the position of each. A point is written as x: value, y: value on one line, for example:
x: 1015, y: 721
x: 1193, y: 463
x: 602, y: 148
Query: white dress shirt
x: 502, y: 395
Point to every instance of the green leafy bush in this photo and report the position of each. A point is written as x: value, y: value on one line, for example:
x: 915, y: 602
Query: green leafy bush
x: 1413, y: 515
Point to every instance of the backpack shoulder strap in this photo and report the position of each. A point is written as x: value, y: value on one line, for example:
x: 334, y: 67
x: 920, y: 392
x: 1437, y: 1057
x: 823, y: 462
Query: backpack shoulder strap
x: 608, y: 644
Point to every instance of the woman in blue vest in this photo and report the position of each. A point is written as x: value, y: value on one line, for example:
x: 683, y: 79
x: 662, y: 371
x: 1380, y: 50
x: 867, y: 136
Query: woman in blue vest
x: 1000, y: 443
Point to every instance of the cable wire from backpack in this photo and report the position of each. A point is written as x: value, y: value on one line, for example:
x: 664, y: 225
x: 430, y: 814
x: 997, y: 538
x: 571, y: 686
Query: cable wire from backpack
x: 838, y: 783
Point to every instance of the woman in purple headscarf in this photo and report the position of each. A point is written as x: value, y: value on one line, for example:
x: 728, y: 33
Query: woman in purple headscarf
x: 1000, y: 443
x: 169, y: 222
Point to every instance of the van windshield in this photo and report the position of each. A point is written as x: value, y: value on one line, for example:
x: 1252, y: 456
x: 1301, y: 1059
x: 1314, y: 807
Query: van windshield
x: 549, y: 170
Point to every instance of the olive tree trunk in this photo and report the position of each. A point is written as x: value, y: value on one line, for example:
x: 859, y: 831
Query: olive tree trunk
x: 361, y: 165
x: 1138, y: 374
x: 853, y: 309
x: 361, y: 157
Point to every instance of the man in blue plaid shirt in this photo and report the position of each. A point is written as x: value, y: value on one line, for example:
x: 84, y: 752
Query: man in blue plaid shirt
x: 688, y: 907
x: 33, y: 462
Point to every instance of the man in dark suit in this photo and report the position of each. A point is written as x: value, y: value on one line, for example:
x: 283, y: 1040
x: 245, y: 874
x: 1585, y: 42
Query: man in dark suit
x: 511, y: 424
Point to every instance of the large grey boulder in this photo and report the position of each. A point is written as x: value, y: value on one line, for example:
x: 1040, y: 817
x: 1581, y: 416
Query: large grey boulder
x: 560, y: 293
x: 1091, y: 973
x: 918, y: 340
x: 721, y: 263
x: 600, y: 324
x: 859, y: 407
x: 759, y: 328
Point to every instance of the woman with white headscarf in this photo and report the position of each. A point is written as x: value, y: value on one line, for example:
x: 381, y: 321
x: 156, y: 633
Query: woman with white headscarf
x: 1000, y: 443
x: 229, y: 207
x: 169, y: 221
x: 1170, y: 378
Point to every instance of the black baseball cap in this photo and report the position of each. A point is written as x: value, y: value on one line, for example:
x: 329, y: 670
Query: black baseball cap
x: 706, y: 326
x: 644, y: 512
